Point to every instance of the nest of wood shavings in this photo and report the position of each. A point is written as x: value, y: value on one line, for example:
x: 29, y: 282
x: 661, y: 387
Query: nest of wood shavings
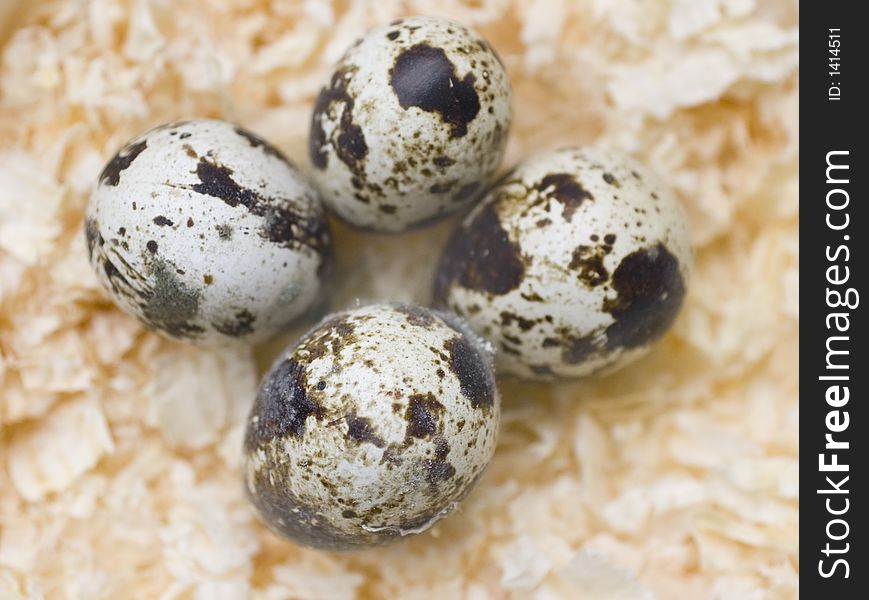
x: 674, y: 478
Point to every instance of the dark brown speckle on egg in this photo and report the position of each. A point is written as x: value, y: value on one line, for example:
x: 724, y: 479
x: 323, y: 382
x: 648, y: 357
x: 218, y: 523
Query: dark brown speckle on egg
x: 481, y: 256
x: 111, y: 174
x: 424, y: 77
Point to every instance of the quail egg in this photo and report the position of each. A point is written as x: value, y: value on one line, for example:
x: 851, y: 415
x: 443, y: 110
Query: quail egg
x: 206, y: 233
x: 576, y: 261
x: 372, y: 427
x: 411, y: 125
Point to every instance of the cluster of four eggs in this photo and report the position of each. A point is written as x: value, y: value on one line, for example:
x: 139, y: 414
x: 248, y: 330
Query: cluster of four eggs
x: 380, y: 419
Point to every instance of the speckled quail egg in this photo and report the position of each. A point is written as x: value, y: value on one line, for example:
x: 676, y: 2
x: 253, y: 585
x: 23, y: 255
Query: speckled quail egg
x: 206, y: 233
x: 373, y: 426
x: 412, y: 124
x: 576, y: 261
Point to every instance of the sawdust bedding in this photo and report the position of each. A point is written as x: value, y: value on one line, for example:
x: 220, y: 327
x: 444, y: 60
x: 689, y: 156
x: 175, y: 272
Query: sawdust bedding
x: 675, y: 478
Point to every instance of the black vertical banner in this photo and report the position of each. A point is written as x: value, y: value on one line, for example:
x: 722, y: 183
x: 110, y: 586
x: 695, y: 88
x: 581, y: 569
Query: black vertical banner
x: 833, y: 371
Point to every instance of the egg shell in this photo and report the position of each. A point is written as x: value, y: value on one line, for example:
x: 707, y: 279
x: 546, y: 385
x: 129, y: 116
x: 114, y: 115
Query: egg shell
x: 576, y: 261
x: 372, y: 427
x: 206, y: 233
x: 412, y: 124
